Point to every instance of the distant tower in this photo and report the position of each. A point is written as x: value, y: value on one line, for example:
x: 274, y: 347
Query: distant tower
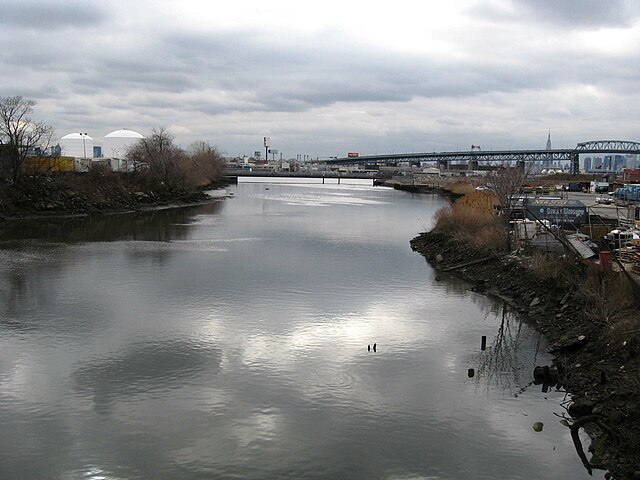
x: 549, y: 156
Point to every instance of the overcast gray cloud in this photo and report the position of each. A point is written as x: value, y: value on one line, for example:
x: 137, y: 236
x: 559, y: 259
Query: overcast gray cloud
x: 577, y: 13
x: 51, y: 15
x: 408, y: 76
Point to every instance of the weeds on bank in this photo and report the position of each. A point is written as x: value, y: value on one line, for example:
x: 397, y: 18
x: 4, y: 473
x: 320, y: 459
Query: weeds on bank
x: 545, y: 267
x: 472, y: 219
x: 610, y: 302
x: 608, y: 295
x: 460, y: 188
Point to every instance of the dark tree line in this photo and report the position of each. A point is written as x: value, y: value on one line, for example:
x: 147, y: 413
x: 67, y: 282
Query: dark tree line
x: 169, y: 167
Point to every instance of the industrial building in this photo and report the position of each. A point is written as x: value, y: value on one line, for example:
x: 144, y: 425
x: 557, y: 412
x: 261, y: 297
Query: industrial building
x: 112, y: 150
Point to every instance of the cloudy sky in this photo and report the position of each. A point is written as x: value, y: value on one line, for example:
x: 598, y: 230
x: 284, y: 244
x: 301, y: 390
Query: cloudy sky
x: 326, y: 78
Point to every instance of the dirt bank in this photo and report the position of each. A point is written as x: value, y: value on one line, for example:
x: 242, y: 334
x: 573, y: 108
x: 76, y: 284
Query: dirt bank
x: 76, y: 195
x: 596, y: 361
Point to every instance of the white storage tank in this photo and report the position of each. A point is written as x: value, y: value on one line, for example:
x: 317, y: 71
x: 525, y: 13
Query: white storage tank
x: 117, y: 143
x: 77, y: 145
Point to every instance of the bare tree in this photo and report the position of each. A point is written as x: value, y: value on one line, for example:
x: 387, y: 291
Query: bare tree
x: 507, y: 183
x: 162, y: 157
x: 20, y: 136
x: 205, y: 163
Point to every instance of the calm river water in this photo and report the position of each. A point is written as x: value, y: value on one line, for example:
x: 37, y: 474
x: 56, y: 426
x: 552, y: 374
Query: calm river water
x: 230, y: 341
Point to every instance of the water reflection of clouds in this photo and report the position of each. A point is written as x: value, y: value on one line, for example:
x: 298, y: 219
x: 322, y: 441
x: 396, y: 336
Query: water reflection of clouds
x: 328, y: 356
x: 385, y: 215
x: 143, y: 368
x: 339, y: 337
x: 16, y: 377
x: 325, y: 360
x: 260, y: 426
x: 320, y: 199
x: 273, y: 374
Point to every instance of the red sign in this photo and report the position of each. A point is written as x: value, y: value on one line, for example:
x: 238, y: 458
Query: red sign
x: 353, y: 154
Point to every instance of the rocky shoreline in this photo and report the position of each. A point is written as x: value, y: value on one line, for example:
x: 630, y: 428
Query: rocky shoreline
x: 598, y: 371
x: 44, y: 197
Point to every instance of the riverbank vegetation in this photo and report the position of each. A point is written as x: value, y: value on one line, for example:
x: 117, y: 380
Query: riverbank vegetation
x: 157, y: 171
x: 472, y: 219
x: 588, y: 313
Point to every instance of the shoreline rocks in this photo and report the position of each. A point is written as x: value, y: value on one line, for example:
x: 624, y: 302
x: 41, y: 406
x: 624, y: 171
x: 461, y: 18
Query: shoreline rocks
x: 47, y: 197
x: 589, y: 364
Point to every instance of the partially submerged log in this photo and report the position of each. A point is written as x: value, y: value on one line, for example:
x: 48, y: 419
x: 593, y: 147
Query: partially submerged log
x: 467, y: 264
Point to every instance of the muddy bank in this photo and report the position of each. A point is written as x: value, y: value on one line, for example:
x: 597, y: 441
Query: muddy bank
x: 595, y: 363
x: 43, y: 197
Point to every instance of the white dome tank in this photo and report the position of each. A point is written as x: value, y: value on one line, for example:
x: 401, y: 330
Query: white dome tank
x: 117, y: 143
x: 77, y: 145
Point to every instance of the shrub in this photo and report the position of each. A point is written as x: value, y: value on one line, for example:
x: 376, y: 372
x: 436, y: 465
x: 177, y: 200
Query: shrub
x: 549, y: 267
x: 609, y: 296
x: 472, y: 220
x: 460, y: 188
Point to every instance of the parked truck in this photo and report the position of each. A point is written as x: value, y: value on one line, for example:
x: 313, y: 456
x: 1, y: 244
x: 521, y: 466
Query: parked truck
x: 579, y: 186
x: 599, y: 187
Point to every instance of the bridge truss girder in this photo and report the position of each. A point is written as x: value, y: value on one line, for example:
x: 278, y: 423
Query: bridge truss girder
x: 444, y: 158
x: 608, y: 146
x: 461, y: 157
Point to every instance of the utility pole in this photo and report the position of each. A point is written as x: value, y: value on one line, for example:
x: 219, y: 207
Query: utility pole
x: 84, y: 146
x: 266, y: 148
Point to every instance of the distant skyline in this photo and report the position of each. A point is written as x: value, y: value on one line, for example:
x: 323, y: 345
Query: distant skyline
x: 324, y: 79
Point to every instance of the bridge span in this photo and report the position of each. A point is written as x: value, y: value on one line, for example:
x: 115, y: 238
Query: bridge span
x: 571, y: 155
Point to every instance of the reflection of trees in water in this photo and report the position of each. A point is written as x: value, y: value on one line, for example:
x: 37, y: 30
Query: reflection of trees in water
x: 25, y: 278
x: 157, y: 225
x: 505, y: 360
x: 38, y: 251
x: 489, y: 306
x: 452, y: 285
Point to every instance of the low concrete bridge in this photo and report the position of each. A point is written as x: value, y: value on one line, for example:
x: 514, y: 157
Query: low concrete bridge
x: 232, y: 175
x: 472, y: 157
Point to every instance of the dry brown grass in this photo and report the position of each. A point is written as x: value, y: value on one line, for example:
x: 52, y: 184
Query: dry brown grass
x: 460, y: 188
x: 611, y: 303
x: 482, y: 201
x: 610, y: 299
x: 552, y: 267
x: 472, y: 219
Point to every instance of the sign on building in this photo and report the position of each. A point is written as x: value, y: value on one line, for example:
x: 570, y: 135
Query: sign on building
x: 562, y: 212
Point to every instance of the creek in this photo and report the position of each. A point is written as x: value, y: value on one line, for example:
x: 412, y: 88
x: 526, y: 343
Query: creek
x: 234, y: 340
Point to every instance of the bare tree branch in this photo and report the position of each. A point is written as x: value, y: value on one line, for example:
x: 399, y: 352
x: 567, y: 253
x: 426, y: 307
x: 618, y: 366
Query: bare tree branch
x: 21, y: 137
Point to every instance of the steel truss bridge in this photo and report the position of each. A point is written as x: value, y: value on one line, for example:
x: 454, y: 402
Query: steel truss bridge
x: 473, y: 157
